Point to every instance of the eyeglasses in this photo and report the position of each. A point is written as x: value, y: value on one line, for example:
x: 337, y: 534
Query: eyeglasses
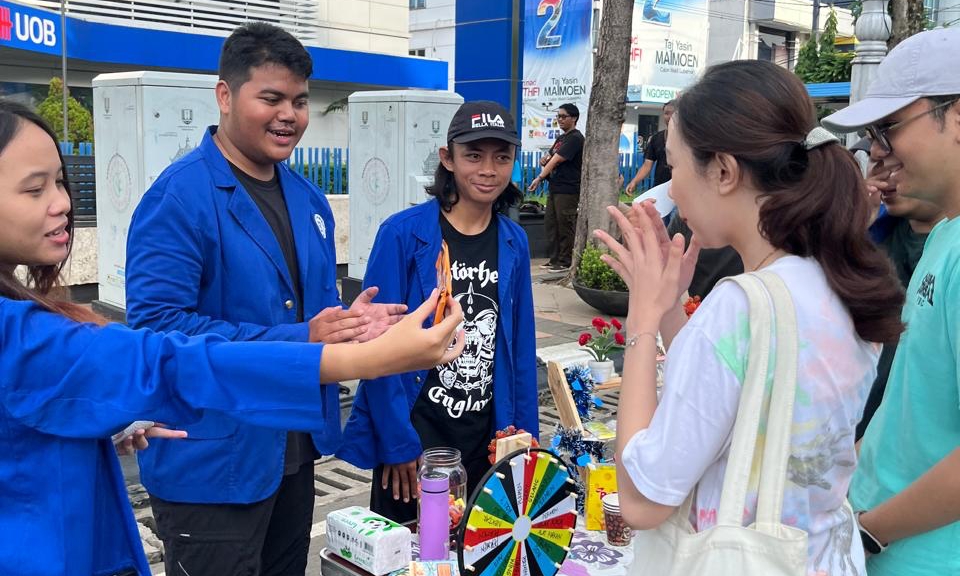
x: 880, y: 132
x: 562, y: 116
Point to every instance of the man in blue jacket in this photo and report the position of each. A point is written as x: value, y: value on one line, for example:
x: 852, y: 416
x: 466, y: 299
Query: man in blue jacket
x: 494, y: 383
x: 230, y: 241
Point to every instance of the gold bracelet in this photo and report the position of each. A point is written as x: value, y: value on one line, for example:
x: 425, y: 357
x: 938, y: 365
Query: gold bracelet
x: 632, y: 340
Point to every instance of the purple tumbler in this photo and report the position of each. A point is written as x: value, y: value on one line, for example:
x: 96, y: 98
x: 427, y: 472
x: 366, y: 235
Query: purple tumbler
x: 434, y: 526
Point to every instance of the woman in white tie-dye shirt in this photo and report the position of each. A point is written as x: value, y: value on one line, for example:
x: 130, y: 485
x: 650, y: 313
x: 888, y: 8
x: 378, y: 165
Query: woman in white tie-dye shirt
x: 749, y: 171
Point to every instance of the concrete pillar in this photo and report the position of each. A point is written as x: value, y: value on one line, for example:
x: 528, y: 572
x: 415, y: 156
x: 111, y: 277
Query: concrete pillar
x: 872, y: 31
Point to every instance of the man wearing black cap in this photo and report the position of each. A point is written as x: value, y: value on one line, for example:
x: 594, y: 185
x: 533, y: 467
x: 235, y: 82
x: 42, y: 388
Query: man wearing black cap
x: 458, y: 405
x: 562, y: 166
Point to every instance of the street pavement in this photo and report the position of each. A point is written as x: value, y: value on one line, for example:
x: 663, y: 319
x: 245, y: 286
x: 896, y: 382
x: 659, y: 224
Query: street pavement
x: 560, y: 318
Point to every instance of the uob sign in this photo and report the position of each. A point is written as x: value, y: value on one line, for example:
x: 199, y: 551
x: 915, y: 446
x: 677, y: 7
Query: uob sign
x: 27, y: 29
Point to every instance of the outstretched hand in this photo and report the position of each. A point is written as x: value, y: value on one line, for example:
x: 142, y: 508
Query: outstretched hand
x: 379, y: 317
x: 404, y: 347
x: 407, y: 345
x: 688, y: 264
x: 334, y: 324
x: 652, y: 276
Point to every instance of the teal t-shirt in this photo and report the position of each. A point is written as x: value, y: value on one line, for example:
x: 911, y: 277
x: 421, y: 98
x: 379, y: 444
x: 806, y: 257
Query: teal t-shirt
x: 918, y: 422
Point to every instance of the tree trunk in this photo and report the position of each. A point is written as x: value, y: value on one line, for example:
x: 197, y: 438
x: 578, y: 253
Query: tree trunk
x: 601, y: 156
x: 908, y: 18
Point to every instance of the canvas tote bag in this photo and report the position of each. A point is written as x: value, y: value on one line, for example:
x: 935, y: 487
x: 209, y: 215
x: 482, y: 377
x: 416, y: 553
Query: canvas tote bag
x: 767, y: 547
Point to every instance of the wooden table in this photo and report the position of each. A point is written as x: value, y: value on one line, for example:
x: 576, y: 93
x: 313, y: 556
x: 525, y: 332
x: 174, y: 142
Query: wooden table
x: 590, y: 555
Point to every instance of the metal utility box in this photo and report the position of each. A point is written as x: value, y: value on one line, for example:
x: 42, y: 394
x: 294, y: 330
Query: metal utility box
x: 144, y: 122
x: 394, y: 140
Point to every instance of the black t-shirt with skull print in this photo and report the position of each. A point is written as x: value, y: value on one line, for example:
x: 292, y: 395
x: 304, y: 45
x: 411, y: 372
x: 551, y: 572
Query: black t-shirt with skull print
x: 455, y: 405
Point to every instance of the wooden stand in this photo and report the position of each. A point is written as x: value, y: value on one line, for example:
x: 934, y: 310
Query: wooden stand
x: 513, y: 443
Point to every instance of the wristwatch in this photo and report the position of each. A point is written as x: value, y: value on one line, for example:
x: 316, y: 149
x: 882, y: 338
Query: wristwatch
x: 870, y: 542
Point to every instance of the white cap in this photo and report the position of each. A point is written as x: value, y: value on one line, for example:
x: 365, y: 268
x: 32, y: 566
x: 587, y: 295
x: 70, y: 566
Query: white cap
x: 916, y: 68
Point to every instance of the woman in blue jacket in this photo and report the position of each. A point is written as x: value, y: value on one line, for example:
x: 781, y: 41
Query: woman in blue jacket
x: 494, y: 383
x: 67, y: 381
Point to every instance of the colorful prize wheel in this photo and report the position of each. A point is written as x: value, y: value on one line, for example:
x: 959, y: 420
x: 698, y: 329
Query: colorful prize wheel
x: 521, y: 518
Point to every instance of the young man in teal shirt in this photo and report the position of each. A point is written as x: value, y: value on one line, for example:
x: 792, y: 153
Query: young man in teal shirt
x: 907, y: 485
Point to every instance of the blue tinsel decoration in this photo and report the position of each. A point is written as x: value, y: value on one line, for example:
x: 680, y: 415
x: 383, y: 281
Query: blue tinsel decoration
x: 571, y: 444
x: 581, y: 387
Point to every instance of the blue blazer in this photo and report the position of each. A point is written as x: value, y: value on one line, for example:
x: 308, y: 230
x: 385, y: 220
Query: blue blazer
x: 201, y: 259
x: 403, y: 264
x: 66, y: 386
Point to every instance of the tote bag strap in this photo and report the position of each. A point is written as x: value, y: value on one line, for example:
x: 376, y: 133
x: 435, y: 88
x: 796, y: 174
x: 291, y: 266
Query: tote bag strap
x: 776, y: 451
x: 764, y: 291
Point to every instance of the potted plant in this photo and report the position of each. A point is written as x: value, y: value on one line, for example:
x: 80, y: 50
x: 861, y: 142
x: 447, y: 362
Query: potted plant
x: 608, y: 339
x: 598, y: 285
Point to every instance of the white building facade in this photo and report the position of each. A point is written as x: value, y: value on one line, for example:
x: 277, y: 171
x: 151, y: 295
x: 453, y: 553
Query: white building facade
x: 433, y: 32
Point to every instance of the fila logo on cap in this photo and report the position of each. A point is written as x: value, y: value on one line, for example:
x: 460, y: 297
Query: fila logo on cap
x: 484, y: 120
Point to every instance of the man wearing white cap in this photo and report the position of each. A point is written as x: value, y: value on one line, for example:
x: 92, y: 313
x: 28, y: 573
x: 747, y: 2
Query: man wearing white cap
x: 907, y: 484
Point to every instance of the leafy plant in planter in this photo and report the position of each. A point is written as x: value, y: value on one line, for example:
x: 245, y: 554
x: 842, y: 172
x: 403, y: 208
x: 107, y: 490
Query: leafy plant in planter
x: 597, y: 274
x: 598, y: 285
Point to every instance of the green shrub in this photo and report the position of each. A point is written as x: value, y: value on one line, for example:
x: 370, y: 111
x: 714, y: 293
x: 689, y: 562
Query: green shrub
x: 79, y: 119
x: 597, y: 274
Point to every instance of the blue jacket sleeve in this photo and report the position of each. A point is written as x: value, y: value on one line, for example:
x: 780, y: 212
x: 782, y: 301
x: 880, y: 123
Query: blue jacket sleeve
x: 526, y: 409
x: 164, y: 268
x: 379, y: 429
x: 82, y: 381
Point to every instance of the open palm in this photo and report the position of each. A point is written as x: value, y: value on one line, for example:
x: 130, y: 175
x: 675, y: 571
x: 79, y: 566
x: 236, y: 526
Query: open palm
x: 688, y: 264
x: 381, y: 316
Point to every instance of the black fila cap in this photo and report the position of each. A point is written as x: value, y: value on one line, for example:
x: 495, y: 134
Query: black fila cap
x: 481, y: 119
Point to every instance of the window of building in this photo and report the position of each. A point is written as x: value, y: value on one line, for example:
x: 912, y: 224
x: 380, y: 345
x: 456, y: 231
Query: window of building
x: 419, y: 52
x: 418, y: 4
x: 777, y: 46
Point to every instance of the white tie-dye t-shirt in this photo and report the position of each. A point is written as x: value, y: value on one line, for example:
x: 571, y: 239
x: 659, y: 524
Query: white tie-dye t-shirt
x: 688, y: 440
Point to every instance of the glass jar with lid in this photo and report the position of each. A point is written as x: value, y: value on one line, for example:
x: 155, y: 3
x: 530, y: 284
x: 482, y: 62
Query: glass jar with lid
x: 447, y: 461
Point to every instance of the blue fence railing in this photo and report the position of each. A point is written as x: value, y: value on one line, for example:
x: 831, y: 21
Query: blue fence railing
x: 325, y: 167
x: 76, y: 149
x: 628, y: 167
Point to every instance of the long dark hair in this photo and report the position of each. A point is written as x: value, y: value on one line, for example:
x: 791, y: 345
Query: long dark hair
x: 444, y: 188
x: 43, y: 282
x: 815, y: 200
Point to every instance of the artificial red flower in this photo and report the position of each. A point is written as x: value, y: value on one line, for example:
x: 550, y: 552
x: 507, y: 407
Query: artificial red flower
x: 600, y: 324
x: 619, y: 339
x: 584, y: 338
x: 508, y: 431
x: 691, y: 305
x: 616, y: 323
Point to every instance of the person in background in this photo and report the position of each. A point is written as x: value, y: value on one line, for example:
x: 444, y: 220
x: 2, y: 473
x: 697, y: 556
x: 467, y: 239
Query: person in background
x: 905, y: 486
x: 655, y: 155
x: 562, y: 167
x: 908, y: 221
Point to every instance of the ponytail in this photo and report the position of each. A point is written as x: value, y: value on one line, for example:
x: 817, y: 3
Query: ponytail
x: 814, y: 202
x: 824, y: 214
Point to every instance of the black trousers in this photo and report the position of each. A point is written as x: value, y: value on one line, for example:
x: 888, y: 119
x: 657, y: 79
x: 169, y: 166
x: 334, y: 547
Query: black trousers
x: 560, y: 226
x: 266, y: 538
